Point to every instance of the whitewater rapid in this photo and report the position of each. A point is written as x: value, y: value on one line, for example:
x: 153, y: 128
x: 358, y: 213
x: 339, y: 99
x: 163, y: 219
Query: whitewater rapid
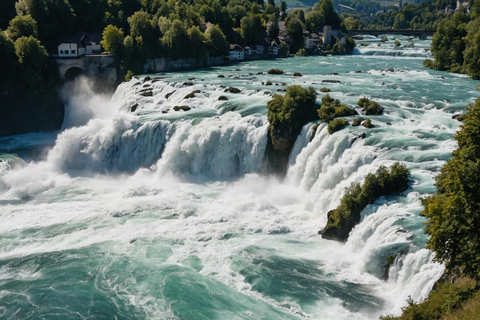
x: 137, y: 211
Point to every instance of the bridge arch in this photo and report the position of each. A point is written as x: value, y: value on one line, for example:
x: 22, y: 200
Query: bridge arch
x: 73, y: 73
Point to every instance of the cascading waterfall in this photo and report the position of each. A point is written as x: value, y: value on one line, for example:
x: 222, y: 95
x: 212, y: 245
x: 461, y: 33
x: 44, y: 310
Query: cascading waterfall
x: 142, y: 211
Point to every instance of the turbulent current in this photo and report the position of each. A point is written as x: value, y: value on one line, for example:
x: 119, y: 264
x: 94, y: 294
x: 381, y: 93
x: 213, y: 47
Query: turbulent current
x: 137, y: 211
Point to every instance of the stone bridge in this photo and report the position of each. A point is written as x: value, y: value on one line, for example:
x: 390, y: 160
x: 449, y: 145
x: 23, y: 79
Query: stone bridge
x: 92, y: 66
x: 420, y: 33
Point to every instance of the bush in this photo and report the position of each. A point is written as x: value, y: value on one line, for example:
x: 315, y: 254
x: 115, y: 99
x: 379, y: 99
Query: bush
x: 357, y: 122
x: 383, y: 183
x: 368, y: 124
x: 302, y: 53
x: 370, y: 107
x: 275, y: 71
x: 129, y: 75
x: 441, y: 302
x: 331, y: 109
x: 336, y: 125
x: 291, y: 112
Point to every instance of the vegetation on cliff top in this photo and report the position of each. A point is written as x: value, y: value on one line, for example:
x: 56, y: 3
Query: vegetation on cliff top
x: 383, y: 183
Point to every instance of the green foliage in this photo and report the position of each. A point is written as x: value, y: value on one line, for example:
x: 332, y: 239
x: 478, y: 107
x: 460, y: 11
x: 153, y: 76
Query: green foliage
x: 368, y: 124
x: 336, y: 125
x: 291, y: 112
x: 22, y: 26
x: 302, y: 53
x: 283, y: 50
x: 425, y: 15
x: 453, y: 215
x: 112, y: 39
x: 176, y: 39
x: 32, y: 57
x: 216, y: 43
x: 441, y: 302
x: 357, y: 121
x: 295, y: 32
x: 370, y: 107
x: 8, y: 62
x: 383, y: 183
x: 331, y: 109
x: 129, y: 75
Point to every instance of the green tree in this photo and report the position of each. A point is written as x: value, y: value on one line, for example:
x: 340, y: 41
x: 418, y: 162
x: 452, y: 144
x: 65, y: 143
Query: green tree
x: 315, y: 19
x: 197, y: 42
x: 215, y: 39
x: 472, y: 50
x: 291, y: 112
x: 8, y: 63
x: 453, y: 214
x: 112, y: 39
x: 295, y: 31
x: 141, y: 26
x: 22, y: 26
x: 32, y: 57
x: 176, y: 39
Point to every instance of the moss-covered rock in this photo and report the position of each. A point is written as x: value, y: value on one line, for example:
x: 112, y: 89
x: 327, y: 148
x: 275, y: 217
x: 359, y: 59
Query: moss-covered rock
x: 357, y: 121
x: 297, y: 74
x: 370, y: 107
x: 325, y: 90
x: 368, y: 124
x: 287, y: 115
x: 222, y: 98
x: 331, y: 109
x: 383, y: 183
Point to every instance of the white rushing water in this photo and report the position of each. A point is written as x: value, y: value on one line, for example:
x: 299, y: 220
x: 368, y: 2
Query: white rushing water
x: 152, y: 213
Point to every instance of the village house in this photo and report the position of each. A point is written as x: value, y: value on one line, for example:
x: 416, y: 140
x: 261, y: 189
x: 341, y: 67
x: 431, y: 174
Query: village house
x: 236, y: 52
x: 80, y: 44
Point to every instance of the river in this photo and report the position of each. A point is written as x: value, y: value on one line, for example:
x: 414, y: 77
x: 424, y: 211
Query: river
x: 164, y: 214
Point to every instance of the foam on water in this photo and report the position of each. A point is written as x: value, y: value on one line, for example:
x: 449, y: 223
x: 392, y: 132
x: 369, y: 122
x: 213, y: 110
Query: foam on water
x: 141, y: 211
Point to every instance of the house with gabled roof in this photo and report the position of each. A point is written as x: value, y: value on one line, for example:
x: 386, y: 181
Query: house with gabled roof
x: 82, y: 43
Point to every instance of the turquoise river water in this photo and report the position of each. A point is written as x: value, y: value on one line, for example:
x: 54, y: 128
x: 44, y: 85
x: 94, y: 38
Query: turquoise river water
x: 163, y: 214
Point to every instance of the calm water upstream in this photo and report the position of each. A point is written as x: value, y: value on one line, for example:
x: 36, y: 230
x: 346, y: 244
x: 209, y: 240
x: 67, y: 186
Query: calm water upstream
x: 163, y: 214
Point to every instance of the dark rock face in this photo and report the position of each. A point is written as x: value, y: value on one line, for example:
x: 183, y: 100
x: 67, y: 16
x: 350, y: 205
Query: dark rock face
x: 35, y: 113
x: 234, y: 90
x: 222, y: 98
x: 184, y: 108
x: 339, y: 233
x: 134, y: 107
x: 278, y: 149
x: 168, y: 95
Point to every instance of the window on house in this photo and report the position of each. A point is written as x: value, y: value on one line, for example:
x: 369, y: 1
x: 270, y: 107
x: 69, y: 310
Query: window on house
x: 73, y: 51
x: 61, y: 51
x: 66, y: 51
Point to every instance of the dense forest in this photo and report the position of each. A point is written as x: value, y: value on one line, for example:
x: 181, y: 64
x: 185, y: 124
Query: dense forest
x: 455, y: 45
